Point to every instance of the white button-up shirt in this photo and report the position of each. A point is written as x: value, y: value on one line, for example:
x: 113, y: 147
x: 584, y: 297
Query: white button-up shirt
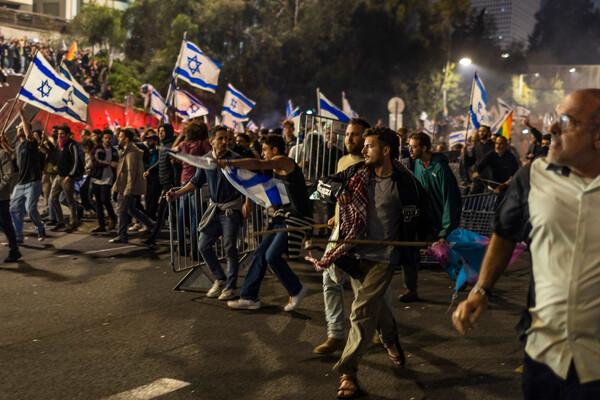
x: 563, y: 211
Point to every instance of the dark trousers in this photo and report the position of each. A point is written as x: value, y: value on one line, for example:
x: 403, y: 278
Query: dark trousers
x: 162, y: 213
x: 153, y: 189
x: 7, y: 226
x: 541, y: 383
x: 86, y: 195
x: 102, y: 195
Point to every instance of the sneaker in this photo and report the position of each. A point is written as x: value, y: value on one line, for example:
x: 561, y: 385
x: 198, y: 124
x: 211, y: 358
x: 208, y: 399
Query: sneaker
x: 330, y: 346
x: 99, y: 228
x: 227, y: 294
x: 135, y: 227
x: 59, y: 226
x: 243, y: 304
x: 216, y: 288
x: 118, y: 240
x: 143, y: 228
x: 13, y: 257
x: 295, y: 300
x: 111, y: 225
x: 42, y: 235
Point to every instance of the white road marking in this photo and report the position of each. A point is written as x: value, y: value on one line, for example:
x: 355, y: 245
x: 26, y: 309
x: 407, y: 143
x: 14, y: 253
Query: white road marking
x: 97, y: 251
x: 151, y: 390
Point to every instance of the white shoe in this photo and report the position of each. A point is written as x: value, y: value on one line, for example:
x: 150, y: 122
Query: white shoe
x: 216, y: 288
x: 295, y: 300
x: 227, y: 294
x: 134, y: 227
x: 242, y: 304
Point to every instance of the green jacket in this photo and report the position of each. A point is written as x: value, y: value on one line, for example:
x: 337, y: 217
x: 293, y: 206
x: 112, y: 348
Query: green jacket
x: 444, y: 195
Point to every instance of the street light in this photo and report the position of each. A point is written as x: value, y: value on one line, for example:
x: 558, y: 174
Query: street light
x: 465, y: 61
x: 573, y: 69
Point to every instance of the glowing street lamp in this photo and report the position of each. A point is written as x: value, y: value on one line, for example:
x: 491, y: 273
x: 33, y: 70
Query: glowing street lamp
x: 465, y: 61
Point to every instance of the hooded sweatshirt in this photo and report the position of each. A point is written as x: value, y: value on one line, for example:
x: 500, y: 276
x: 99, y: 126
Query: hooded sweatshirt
x: 166, y: 170
x: 443, y: 192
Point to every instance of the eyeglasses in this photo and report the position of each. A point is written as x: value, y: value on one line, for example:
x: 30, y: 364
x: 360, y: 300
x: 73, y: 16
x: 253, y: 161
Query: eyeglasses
x: 565, y: 122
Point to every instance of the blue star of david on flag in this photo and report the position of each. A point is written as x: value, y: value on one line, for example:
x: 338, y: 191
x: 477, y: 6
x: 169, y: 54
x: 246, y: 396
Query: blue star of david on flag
x: 233, y: 103
x: 194, y: 64
x: 68, y: 97
x: 41, y: 89
x: 194, y: 108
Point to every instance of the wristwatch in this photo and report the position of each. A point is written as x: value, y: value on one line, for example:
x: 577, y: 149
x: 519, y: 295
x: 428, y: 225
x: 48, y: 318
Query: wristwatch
x: 477, y: 289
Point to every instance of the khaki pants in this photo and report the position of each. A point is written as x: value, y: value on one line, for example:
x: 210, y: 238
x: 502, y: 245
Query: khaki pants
x: 59, y: 186
x: 369, y: 314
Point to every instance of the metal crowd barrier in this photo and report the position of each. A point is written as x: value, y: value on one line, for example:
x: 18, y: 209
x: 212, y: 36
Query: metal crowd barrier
x: 312, y: 152
x: 478, y: 212
x: 184, y: 216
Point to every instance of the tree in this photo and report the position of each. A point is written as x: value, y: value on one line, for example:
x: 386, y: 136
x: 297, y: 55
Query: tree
x: 566, y: 32
x: 99, y: 26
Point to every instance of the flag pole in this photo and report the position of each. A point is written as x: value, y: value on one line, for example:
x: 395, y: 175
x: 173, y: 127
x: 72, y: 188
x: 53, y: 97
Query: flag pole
x: 318, y: 102
x: 174, y: 75
x: 469, y: 114
x: 12, y: 107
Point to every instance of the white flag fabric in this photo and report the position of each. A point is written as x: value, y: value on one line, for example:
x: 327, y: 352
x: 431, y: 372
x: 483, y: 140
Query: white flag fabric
x: 290, y: 111
x: 46, y: 89
x: 157, y: 105
x: 346, y: 107
x: 505, y: 111
x: 196, y: 68
x: 479, y: 114
x: 80, y: 97
x: 423, y: 116
x: 428, y: 126
x: 456, y: 137
x: 522, y: 111
x: 251, y: 125
x: 261, y: 189
x: 187, y: 106
x: 236, y: 107
x: 330, y: 110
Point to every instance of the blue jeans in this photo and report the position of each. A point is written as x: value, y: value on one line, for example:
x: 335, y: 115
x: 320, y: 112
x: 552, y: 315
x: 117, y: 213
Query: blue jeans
x: 270, y: 252
x: 24, y: 199
x: 186, y: 217
x: 228, y: 227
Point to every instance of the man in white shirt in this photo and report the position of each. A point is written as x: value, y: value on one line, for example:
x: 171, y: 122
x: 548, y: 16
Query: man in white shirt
x: 551, y: 203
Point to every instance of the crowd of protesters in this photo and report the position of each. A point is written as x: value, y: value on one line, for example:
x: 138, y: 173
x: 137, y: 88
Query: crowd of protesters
x: 17, y: 53
x: 128, y: 180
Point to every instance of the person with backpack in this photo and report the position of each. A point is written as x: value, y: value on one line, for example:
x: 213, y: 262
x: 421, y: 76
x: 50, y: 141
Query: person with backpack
x: 69, y: 168
x: 105, y: 160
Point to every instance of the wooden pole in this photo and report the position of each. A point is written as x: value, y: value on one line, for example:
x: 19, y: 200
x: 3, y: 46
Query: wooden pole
x: 374, y: 242
x: 298, y: 228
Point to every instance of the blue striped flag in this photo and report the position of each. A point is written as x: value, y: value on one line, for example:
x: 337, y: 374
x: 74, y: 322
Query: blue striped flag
x: 187, y: 106
x: 46, y: 89
x: 346, y: 107
x: 290, y: 111
x: 236, y: 107
x: 261, y: 189
x: 479, y: 114
x: 329, y: 110
x: 196, y: 68
x: 157, y: 105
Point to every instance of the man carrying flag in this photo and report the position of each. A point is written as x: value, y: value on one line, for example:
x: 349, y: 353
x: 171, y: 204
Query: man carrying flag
x: 223, y: 217
x: 271, y: 250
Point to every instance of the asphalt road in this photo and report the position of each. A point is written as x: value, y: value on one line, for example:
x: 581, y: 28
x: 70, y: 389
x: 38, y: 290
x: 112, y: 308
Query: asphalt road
x: 85, y: 319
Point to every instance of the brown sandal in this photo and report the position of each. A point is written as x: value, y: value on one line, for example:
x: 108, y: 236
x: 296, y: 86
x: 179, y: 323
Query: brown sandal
x: 398, y: 360
x: 352, y: 389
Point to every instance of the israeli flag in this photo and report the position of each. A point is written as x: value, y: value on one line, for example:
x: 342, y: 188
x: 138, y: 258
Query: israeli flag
x: 251, y: 125
x: 423, y: 116
x: 196, y: 68
x: 428, y: 126
x: 46, y: 89
x: 479, y: 114
x: 80, y: 97
x: 456, y: 137
x: 232, y: 122
x: 187, y: 106
x: 236, y: 104
x: 263, y: 190
x: 329, y: 110
x: 505, y: 111
x: 157, y: 105
x: 522, y: 111
x: 290, y: 111
x: 346, y: 107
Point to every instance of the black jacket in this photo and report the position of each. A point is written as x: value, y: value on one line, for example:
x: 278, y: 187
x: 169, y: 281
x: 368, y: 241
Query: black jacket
x: 415, y: 206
